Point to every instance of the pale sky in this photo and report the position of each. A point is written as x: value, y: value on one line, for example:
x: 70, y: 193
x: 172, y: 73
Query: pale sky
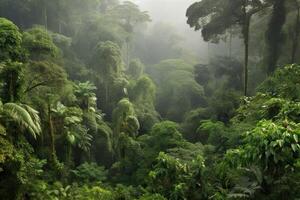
x: 171, y: 11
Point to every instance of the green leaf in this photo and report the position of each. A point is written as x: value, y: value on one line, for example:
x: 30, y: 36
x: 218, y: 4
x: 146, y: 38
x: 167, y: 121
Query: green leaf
x: 24, y: 115
x: 294, y: 147
x: 71, y: 138
x: 280, y: 142
x: 295, y: 138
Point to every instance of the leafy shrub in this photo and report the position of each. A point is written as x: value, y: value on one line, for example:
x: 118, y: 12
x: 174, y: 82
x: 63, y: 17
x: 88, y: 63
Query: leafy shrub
x: 152, y: 197
x: 284, y: 83
x: 89, y: 172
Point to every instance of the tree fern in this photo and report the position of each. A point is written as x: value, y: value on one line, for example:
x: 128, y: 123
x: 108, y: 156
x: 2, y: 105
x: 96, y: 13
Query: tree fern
x: 23, y: 115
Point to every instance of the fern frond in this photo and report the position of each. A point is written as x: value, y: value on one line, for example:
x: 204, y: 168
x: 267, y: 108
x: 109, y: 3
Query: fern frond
x: 25, y: 116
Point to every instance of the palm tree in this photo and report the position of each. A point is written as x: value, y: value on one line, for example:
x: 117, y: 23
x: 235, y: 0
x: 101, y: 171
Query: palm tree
x: 76, y: 134
x: 84, y: 93
x: 23, y: 115
x: 77, y: 137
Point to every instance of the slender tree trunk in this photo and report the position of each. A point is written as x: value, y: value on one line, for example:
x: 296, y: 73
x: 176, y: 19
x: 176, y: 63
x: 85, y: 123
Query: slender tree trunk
x: 59, y: 17
x: 127, y: 52
x: 45, y: 16
x: 296, y: 35
x: 246, y: 42
x: 86, y: 104
x: 59, y: 27
x: 275, y: 35
x: 106, y: 92
x: 11, y: 89
x: 208, y: 52
x: 230, y: 44
x: 246, y: 36
x: 69, y: 155
x: 51, y: 134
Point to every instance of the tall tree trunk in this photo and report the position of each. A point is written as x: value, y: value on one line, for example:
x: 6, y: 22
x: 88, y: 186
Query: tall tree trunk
x: 69, y: 155
x: 106, y: 92
x: 59, y: 27
x: 246, y: 43
x: 59, y: 17
x: 208, y: 52
x: 274, y: 34
x: 51, y: 134
x: 246, y: 36
x: 11, y: 88
x: 127, y: 52
x: 296, y: 35
x: 230, y: 43
x: 45, y: 16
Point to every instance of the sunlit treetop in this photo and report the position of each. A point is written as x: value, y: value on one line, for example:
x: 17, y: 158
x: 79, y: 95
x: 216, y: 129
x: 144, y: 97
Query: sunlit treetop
x: 214, y: 17
x: 130, y: 15
x: 39, y: 43
x: 10, y: 40
x: 135, y: 69
x: 107, y: 58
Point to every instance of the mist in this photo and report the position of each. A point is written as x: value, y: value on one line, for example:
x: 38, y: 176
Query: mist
x: 173, y: 12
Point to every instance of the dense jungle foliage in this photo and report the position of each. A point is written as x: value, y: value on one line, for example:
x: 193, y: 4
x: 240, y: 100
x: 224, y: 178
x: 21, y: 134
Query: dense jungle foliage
x: 94, y: 107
